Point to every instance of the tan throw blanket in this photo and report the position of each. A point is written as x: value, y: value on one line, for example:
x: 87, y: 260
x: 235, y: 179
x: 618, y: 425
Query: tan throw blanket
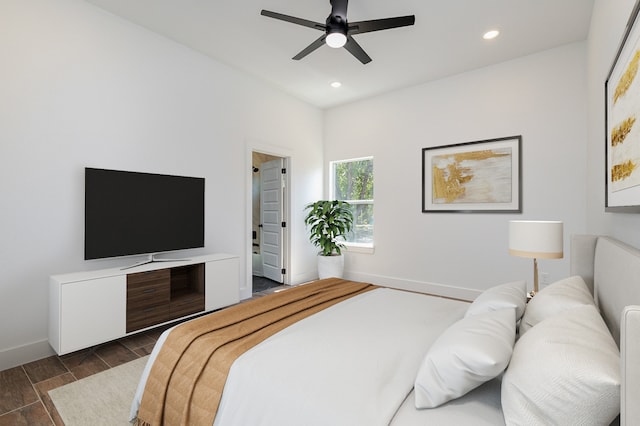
x: 186, y: 381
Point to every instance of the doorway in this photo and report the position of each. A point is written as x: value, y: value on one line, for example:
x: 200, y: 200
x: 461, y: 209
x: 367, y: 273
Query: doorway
x: 269, y: 197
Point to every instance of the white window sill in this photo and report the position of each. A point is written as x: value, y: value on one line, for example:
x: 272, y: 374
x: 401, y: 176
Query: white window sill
x: 359, y: 248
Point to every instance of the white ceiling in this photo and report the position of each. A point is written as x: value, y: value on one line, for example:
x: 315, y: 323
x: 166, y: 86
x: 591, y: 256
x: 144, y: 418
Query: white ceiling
x: 446, y: 39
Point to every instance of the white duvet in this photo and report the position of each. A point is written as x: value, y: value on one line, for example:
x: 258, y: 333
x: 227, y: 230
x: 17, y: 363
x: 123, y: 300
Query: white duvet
x: 351, y: 364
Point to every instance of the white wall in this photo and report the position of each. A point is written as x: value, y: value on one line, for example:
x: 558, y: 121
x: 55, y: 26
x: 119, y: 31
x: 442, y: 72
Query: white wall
x: 80, y: 87
x: 541, y: 97
x: 607, y: 28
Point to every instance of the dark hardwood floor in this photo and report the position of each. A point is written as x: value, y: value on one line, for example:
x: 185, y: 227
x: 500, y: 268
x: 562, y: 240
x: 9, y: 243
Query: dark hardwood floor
x: 23, y: 390
x: 24, y: 398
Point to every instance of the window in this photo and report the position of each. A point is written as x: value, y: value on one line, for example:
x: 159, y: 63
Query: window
x: 352, y: 181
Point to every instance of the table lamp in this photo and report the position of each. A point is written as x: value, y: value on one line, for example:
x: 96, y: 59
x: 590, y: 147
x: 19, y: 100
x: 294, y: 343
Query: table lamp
x: 537, y: 239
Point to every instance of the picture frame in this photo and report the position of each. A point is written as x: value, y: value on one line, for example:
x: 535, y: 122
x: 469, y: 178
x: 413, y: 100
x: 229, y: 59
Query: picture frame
x: 622, y: 123
x: 473, y: 177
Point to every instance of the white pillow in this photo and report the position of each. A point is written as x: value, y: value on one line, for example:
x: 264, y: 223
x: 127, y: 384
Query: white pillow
x: 470, y: 352
x: 564, y: 371
x: 509, y: 295
x: 555, y: 298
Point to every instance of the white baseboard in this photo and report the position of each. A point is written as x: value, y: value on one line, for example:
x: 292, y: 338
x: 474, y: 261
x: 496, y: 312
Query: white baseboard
x: 417, y: 286
x: 304, y: 278
x: 14, y: 357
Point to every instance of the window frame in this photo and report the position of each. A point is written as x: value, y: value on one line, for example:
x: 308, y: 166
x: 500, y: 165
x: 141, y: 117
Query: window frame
x: 353, y: 246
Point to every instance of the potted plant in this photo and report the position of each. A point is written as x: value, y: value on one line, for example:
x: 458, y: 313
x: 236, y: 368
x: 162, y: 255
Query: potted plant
x: 329, y: 222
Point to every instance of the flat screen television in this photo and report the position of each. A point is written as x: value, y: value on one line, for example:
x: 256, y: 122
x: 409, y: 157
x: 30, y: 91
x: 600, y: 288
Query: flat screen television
x: 130, y: 213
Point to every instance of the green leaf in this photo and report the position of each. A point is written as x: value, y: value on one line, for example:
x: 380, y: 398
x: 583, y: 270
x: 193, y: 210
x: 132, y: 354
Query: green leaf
x: 328, y: 221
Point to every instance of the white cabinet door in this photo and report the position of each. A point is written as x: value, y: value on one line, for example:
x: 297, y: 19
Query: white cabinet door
x: 92, y: 312
x: 221, y: 283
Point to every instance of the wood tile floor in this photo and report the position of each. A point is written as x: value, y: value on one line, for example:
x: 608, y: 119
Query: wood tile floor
x: 23, y: 390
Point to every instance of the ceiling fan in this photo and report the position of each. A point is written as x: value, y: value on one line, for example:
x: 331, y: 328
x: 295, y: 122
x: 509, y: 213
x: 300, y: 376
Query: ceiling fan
x: 338, y: 31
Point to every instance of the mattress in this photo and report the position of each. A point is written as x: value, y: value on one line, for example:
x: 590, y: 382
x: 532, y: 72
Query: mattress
x: 359, y: 357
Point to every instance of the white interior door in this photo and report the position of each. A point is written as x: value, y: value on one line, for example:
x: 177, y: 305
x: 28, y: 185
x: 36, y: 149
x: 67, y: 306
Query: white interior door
x: 271, y: 220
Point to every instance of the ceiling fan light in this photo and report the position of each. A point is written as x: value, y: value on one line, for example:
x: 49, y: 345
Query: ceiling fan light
x: 336, y: 40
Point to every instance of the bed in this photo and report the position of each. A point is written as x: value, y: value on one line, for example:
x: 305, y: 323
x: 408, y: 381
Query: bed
x: 379, y: 356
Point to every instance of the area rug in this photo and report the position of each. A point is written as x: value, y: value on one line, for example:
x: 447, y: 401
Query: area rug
x: 101, y: 399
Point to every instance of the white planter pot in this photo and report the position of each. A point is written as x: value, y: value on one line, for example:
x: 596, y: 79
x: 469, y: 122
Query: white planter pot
x: 330, y: 266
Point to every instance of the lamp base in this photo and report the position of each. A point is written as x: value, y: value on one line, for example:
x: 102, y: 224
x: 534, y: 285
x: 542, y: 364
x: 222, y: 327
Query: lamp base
x: 535, y: 280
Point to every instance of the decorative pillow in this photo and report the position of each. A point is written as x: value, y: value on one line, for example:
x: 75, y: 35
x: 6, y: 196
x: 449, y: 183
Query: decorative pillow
x: 470, y: 352
x: 509, y: 295
x: 555, y: 298
x: 565, y: 370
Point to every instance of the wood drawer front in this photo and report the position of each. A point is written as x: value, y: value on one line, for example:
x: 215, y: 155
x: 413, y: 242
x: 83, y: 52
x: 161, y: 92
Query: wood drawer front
x: 187, y: 305
x: 147, y: 316
x: 146, y: 289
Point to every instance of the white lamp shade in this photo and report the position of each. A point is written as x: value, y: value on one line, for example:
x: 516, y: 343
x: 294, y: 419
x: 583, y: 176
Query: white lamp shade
x: 536, y: 238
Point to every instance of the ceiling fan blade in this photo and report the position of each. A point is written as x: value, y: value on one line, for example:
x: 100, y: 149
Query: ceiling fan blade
x: 293, y: 20
x: 313, y: 46
x: 381, y: 24
x: 354, y: 48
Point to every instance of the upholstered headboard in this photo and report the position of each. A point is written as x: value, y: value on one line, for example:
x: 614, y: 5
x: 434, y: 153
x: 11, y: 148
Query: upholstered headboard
x: 612, y: 270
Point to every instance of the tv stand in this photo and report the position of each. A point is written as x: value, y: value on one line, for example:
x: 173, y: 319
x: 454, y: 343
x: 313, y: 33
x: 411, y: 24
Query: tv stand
x: 152, y: 259
x: 93, y: 307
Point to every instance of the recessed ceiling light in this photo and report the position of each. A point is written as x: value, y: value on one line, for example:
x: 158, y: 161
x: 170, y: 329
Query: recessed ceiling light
x: 490, y: 35
x: 335, y: 84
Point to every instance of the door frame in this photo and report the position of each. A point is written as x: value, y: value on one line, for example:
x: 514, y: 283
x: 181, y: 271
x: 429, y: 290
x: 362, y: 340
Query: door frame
x: 251, y: 146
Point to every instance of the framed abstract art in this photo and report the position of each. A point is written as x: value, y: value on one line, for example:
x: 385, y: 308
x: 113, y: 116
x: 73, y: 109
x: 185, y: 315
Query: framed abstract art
x: 473, y: 177
x: 622, y: 123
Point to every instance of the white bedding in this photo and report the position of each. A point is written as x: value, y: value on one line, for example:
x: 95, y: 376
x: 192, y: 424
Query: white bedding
x: 337, y: 367
x: 283, y: 381
x: 480, y: 407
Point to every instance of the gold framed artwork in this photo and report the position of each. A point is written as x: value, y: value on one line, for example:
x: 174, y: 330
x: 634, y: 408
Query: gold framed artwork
x: 622, y: 123
x: 473, y: 177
